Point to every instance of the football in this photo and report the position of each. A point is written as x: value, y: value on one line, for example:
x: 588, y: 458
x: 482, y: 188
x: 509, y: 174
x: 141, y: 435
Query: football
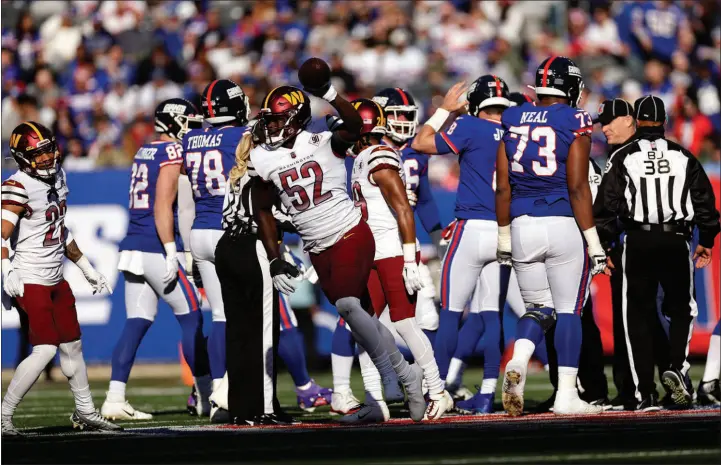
x: 314, y: 73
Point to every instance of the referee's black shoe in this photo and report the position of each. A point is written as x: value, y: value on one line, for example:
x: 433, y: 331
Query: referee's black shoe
x: 283, y: 418
x: 709, y: 393
x: 623, y: 403
x: 676, y: 384
x: 649, y: 403
x: 261, y: 420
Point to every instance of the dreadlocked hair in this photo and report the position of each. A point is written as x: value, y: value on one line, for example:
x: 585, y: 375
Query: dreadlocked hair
x: 242, y: 154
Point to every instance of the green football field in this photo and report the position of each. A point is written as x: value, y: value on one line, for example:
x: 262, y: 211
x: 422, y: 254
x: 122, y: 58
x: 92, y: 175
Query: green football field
x: 173, y: 435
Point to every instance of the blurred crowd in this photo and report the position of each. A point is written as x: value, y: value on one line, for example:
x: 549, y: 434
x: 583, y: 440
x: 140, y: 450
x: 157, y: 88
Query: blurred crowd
x: 94, y: 71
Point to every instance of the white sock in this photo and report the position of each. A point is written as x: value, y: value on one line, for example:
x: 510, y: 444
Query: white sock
x: 567, y: 378
x: 488, y: 386
x: 116, y: 391
x: 216, y: 383
x: 422, y: 352
x: 713, y: 359
x: 73, y: 366
x: 371, y: 379
x: 25, y: 376
x: 455, y: 372
x: 341, y: 367
x: 523, y: 350
x: 546, y: 367
x: 304, y: 387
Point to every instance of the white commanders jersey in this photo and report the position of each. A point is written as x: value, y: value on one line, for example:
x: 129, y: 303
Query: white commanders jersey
x: 39, y: 236
x: 311, y: 180
x: 374, y: 208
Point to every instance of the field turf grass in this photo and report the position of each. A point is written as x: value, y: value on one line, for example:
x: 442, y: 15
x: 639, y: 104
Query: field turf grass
x: 173, y: 435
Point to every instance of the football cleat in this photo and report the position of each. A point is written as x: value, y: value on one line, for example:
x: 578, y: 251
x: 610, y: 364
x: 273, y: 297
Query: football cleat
x: 367, y: 414
x: 122, y: 410
x: 480, y: 403
x: 192, y: 404
x: 459, y: 393
x: 393, y: 391
x: 648, y: 404
x: 414, y: 390
x: 604, y: 403
x: 675, y: 383
x: 568, y: 402
x: 314, y: 397
x: 93, y: 421
x: 513, y: 383
x: 709, y: 393
x: 283, y: 418
x: 218, y: 415
x: 8, y: 428
x: 344, y: 403
x: 439, y: 404
x: 262, y: 420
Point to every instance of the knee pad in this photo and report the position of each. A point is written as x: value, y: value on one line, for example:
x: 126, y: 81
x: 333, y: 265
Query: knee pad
x: 71, y: 355
x: 346, y: 305
x: 545, y: 316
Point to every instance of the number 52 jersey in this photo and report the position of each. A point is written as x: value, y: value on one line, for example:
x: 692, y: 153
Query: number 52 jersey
x: 311, y: 180
x: 537, y: 141
x: 39, y: 236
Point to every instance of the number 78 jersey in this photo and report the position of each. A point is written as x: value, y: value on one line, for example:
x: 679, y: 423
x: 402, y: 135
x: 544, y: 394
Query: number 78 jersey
x: 209, y: 155
x: 311, y: 180
x: 537, y: 141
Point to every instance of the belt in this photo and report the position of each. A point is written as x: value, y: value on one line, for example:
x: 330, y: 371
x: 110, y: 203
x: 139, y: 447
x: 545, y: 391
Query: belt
x: 242, y: 229
x: 677, y: 228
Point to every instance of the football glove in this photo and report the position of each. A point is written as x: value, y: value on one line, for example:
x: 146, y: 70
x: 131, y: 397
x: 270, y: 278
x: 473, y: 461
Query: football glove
x: 284, y: 276
x: 503, y: 251
x: 412, y: 197
x: 598, y: 262
x: 411, y: 277
x: 171, y: 263
x: 12, y: 283
x: 448, y: 233
x: 95, y: 278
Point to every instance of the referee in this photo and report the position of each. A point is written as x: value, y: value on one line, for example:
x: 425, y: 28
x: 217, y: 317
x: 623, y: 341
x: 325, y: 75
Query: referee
x: 619, y: 126
x: 658, y: 191
x: 252, y: 314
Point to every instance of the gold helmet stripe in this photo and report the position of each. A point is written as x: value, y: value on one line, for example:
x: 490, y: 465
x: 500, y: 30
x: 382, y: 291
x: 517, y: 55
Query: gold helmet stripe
x: 37, y: 131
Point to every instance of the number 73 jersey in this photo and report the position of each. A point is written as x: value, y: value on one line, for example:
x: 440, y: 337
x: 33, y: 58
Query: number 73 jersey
x: 311, y: 180
x: 537, y: 141
x: 39, y: 236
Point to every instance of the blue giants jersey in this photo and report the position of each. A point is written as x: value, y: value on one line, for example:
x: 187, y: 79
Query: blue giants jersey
x: 415, y: 165
x: 537, y: 141
x: 150, y: 158
x: 475, y: 141
x: 209, y: 155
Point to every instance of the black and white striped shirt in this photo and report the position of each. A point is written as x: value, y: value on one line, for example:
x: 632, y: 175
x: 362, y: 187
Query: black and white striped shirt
x: 652, y: 180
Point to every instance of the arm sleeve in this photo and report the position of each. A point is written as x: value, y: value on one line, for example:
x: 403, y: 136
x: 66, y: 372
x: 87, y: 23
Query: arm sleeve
x: 706, y: 217
x: 186, y: 209
x: 426, y: 208
x: 609, y: 201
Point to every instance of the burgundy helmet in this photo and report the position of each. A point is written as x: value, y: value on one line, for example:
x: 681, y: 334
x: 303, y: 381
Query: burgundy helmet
x: 284, y: 114
x: 30, y: 140
x: 373, y: 115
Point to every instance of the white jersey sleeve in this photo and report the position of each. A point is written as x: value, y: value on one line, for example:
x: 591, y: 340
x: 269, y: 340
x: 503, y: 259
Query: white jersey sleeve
x: 311, y: 182
x: 39, y: 236
x: 381, y: 157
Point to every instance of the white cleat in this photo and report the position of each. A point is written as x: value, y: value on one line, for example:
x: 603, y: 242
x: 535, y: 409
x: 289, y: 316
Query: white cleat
x: 568, y: 402
x: 414, y: 389
x: 368, y: 414
x: 460, y: 393
x: 8, y: 429
x: 513, y: 383
x: 123, y: 411
x: 344, y: 403
x: 440, y: 404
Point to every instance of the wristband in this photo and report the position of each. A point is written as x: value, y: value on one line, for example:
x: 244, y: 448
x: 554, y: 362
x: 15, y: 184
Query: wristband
x: 11, y: 217
x: 330, y: 94
x: 171, y: 250
x: 504, y: 238
x: 438, y: 118
x: 409, y: 252
x: 5, y: 243
x: 7, y: 266
x: 593, y: 242
x: 84, y: 264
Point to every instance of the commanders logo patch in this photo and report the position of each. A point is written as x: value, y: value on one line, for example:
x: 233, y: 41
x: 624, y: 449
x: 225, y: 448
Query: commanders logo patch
x: 315, y: 139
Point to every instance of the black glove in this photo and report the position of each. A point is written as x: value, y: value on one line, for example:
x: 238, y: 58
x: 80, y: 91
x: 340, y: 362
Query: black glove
x: 283, y: 274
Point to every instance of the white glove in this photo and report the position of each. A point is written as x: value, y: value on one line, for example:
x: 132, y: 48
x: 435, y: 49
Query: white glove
x: 189, y: 263
x: 171, y: 262
x: 12, y: 283
x: 412, y: 197
x: 411, y: 275
x: 285, y: 276
x: 503, y: 252
x: 95, y: 278
x: 595, y: 251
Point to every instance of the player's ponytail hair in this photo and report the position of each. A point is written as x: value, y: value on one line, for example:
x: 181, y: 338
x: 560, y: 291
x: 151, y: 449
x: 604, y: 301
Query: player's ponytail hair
x: 242, y: 155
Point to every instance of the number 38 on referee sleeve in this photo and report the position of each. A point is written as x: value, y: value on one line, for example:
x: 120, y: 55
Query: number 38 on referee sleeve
x: 656, y: 164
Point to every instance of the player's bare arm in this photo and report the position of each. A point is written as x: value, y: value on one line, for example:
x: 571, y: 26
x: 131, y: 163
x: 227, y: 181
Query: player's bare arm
x: 166, y: 190
x: 579, y: 194
x: 394, y: 193
x: 72, y: 251
x: 349, y: 131
x: 425, y: 141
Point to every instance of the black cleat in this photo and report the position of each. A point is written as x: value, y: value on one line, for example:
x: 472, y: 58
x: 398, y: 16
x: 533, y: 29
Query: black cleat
x: 649, y: 403
x: 283, y: 418
x: 602, y: 402
x: 261, y: 420
x: 545, y: 406
x: 622, y: 403
x: 676, y: 384
x: 709, y: 393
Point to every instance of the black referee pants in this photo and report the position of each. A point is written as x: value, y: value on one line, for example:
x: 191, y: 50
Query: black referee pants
x: 649, y: 259
x: 252, y: 325
x: 622, y: 377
